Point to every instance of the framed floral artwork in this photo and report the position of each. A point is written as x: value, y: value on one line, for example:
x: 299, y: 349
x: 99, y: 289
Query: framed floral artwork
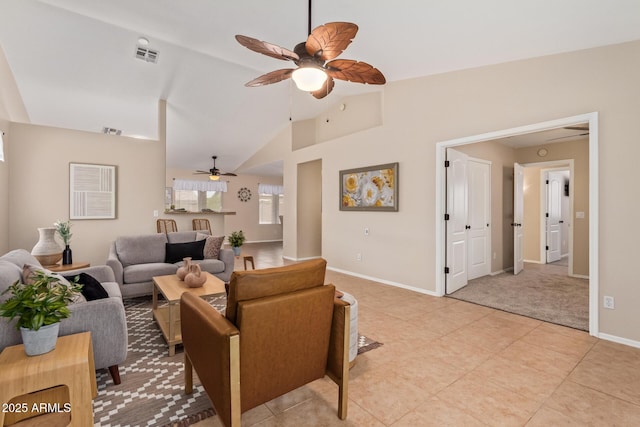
x: 373, y: 188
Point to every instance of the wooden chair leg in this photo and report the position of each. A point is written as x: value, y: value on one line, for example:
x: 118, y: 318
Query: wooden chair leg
x: 115, y: 374
x: 188, y: 374
x: 343, y: 387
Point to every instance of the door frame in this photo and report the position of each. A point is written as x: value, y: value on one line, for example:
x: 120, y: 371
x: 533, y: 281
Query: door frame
x: 440, y: 200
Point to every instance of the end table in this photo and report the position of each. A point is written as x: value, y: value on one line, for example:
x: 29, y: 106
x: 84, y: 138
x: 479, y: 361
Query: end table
x: 28, y: 383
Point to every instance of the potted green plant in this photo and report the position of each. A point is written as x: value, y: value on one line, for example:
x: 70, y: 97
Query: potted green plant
x: 39, y: 307
x: 236, y: 239
x: 64, y: 231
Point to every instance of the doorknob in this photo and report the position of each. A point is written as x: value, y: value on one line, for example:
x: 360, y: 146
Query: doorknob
x: 467, y: 227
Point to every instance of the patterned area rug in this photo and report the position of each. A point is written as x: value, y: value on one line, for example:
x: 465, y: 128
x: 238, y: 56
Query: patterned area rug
x: 152, y: 388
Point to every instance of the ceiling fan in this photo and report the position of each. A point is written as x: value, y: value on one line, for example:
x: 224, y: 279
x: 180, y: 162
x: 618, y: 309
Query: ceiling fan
x: 584, y: 129
x: 314, y: 74
x: 215, y: 173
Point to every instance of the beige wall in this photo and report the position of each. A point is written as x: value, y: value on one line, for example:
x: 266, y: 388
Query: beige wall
x: 531, y: 217
x: 11, y: 109
x: 309, y: 210
x: 39, y: 186
x: 420, y: 112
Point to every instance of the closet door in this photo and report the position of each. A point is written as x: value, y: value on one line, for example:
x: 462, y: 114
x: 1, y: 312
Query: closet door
x: 518, y: 215
x: 457, y: 209
x: 479, y: 218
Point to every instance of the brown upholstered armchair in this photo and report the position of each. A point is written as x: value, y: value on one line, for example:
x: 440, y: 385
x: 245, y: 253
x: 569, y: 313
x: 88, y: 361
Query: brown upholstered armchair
x: 283, y: 328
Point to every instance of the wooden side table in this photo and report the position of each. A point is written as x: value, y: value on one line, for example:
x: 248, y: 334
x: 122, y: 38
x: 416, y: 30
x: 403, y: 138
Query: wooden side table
x: 28, y: 384
x: 60, y: 267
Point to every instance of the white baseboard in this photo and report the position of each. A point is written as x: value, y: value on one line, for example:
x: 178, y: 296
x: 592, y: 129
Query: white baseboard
x: 579, y: 276
x: 263, y: 241
x: 619, y: 340
x: 385, y: 282
x: 533, y: 261
x: 495, y: 273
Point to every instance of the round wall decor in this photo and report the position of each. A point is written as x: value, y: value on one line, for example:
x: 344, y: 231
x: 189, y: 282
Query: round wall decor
x: 244, y: 194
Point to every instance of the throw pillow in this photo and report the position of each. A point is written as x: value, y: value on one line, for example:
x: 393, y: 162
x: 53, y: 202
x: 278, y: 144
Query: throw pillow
x: 212, y: 247
x: 175, y: 252
x: 28, y: 273
x: 91, y: 287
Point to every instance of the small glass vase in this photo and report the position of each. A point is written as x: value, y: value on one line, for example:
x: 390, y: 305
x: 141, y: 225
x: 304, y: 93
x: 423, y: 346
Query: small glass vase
x: 67, y: 256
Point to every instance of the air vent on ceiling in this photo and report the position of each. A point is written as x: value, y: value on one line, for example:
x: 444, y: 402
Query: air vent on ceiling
x: 111, y: 131
x: 147, y: 55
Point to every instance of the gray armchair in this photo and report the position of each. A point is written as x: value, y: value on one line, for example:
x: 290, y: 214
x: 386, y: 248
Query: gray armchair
x: 104, y: 318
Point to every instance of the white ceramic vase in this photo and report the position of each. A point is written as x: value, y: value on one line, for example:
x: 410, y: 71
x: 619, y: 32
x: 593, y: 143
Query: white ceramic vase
x: 47, y: 251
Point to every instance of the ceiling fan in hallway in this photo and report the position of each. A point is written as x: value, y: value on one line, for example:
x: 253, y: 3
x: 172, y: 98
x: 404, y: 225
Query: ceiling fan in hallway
x: 583, y: 128
x: 214, y: 173
x: 316, y: 60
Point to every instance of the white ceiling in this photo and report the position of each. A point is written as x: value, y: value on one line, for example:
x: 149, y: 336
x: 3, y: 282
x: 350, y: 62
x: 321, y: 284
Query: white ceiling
x: 73, y: 60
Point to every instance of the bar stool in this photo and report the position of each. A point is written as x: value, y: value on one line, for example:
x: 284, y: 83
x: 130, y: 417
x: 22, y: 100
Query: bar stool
x: 201, y: 224
x: 249, y: 258
x: 166, y: 225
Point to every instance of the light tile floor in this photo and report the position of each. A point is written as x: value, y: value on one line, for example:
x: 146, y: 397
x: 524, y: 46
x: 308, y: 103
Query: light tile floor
x: 448, y: 362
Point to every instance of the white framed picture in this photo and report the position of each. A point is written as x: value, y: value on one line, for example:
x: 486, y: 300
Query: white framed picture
x: 92, y: 191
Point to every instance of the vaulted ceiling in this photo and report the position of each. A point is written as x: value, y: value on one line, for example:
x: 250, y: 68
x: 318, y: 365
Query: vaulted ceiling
x: 75, y: 66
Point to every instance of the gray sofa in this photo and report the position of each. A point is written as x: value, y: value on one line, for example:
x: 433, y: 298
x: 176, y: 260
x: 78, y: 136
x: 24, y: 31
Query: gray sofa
x: 104, y: 318
x: 135, y: 260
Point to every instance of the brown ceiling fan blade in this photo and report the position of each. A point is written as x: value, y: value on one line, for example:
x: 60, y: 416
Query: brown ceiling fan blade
x: 576, y: 127
x: 331, y: 39
x: 200, y: 172
x: 271, y: 77
x: 326, y: 88
x: 354, y: 71
x: 228, y: 174
x: 266, y: 48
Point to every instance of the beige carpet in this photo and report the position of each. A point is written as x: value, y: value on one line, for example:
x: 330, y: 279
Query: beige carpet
x: 543, y: 292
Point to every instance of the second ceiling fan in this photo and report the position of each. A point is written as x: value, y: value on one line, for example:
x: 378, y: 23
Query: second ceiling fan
x: 215, y: 173
x: 314, y: 74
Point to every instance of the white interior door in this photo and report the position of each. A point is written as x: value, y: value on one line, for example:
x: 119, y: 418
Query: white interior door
x: 479, y: 219
x: 555, y: 182
x: 457, y: 209
x: 518, y: 214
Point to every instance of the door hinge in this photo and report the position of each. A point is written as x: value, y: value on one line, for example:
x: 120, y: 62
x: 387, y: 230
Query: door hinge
x: 547, y: 182
x: 446, y: 163
x: 446, y: 270
x: 547, y: 247
x: 547, y: 214
x: 446, y: 217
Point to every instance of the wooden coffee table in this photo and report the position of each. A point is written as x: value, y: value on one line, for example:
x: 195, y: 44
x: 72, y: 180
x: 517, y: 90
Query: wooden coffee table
x: 168, y: 315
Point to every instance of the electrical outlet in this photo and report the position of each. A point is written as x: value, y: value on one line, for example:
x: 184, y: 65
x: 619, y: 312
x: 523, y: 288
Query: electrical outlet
x: 609, y: 302
x: 155, y: 214
x: 358, y: 257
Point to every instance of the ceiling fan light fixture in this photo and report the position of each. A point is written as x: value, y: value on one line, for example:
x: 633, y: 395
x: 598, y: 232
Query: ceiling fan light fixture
x: 309, y: 79
x: 214, y: 177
